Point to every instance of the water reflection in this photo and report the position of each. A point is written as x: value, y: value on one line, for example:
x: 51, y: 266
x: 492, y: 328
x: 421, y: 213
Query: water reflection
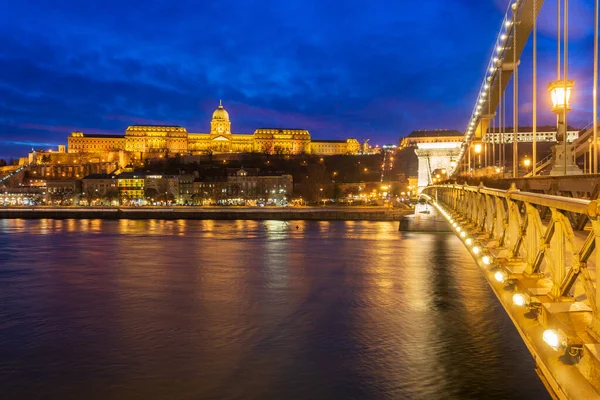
x: 249, y: 309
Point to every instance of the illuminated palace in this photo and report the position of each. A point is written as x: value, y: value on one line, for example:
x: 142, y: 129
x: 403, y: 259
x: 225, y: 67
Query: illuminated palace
x: 172, y: 139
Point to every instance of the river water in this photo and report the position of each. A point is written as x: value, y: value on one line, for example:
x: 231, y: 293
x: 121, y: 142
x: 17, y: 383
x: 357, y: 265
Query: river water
x: 93, y: 309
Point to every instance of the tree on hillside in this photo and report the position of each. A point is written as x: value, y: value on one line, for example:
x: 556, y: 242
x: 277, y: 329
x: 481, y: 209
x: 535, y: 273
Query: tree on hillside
x: 337, y: 193
x: 111, y: 196
x: 150, y: 194
x: 268, y: 148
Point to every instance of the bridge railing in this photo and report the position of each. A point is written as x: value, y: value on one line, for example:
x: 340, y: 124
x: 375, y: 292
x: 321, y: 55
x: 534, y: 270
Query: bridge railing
x: 514, y: 220
x: 527, y: 239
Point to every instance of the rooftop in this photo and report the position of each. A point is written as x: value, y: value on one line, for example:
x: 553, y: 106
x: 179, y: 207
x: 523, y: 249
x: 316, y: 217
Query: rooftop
x: 102, y: 136
x: 526, y: 129
x: 434, y: 133
x: 100, y: 176
x: 281, y: 129
x: 157, y: 126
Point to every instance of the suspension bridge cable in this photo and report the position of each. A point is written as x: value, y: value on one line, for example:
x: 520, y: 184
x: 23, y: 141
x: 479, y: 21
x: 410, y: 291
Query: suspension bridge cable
x: 595, y: 93
x: 515, y: 96
x: 534, y: 150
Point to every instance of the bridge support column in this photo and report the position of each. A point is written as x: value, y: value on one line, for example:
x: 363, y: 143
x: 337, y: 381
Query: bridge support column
x: 594, y: 328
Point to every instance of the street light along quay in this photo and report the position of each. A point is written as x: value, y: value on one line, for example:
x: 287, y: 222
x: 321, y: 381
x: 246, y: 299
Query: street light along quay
x: 527, y: 164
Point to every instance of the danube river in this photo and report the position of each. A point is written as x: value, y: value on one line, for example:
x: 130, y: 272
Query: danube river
x: 93, y: 309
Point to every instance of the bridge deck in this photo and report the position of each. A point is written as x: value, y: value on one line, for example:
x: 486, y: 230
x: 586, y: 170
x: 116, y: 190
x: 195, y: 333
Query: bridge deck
x: 546, y: 259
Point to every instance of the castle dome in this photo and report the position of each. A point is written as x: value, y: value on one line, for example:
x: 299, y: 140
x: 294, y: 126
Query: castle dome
x: 220, y: 113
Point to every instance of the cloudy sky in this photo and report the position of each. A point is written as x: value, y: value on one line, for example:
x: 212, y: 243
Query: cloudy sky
x: 364, y: 69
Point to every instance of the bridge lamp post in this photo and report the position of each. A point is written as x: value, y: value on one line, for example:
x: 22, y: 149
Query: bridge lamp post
x: 477, y: 149
x: 525, y: 300
x: 562, y: 153
x: 527, y: 164
x: 557, y: 340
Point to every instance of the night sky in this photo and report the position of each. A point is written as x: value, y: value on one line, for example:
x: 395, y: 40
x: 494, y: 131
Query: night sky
x: 340, y: 69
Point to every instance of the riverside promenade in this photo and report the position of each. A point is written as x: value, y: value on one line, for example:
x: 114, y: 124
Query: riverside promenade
x: 215, y: 213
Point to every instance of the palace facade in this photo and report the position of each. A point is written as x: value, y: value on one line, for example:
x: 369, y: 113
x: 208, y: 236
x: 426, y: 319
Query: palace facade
x: 173, y: 139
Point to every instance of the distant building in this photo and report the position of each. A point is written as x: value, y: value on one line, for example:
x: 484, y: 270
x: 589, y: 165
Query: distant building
x: 436, y: 150
x: 251, y: 184
x: 525, y: 134
x: 99, y: 185
x: 63, y: 191
x: 131, y: 186
x: 243, y: 185
x: 431, y: 136
x: 158, y: 140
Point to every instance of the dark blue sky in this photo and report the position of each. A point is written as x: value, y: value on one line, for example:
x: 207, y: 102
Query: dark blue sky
x: 339, y: 69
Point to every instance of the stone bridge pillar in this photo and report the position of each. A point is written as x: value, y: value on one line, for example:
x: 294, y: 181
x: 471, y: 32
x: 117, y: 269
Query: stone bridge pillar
x: 434, y: 156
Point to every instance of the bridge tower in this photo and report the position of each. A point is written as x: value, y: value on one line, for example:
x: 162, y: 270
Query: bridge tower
x: 436, y: 150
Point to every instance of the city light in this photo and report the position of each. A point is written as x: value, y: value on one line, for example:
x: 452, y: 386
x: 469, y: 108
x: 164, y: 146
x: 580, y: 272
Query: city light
x: 552, y: 338
x: 521, y: 299
x: 500, y: 276
x: 557, y: 94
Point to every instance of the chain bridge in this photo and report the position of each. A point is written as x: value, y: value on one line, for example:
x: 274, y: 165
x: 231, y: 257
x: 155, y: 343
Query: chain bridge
x: 531, y: 221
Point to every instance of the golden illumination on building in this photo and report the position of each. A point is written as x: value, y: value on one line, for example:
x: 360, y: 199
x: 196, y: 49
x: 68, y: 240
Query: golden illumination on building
x: 173, y: 139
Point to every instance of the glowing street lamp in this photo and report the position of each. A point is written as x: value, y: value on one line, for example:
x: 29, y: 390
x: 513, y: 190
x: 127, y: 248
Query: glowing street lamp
x: 527, y: 163
x: 558, y: 95
x: 564, y: 162
x: 477, y: 148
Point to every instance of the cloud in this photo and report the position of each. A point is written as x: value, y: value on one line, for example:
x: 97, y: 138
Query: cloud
x: 377, y: 71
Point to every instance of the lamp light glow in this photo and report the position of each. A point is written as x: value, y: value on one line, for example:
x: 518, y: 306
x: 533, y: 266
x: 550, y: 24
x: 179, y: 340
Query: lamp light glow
x: 487, y: 260
x: 469, y: 241
x: 557, y: 94
x: 476, y: 250
x: 521, y: 299
x: 552, y: 338
x: 500, y: 276
x: 463, y: 234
